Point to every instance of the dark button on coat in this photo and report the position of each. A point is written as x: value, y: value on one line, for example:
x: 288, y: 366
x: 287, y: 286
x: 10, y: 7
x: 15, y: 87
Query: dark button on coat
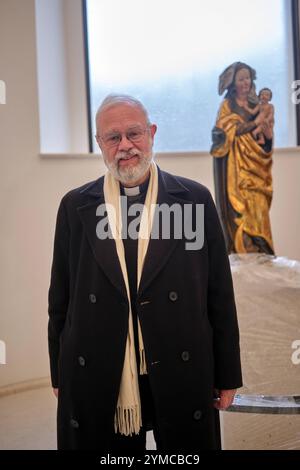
x: 198, y: 415
x: 93, y: 298
x: 173, y: 296
x: 74, y: 424
x: 81, y: 361
x: 185, y: 356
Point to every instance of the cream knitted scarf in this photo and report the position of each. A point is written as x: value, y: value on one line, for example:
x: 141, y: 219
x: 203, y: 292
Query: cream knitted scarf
x: 128, y: 418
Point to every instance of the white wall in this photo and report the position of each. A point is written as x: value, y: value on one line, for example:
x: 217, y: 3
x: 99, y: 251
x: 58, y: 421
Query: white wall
x: 31, y: 188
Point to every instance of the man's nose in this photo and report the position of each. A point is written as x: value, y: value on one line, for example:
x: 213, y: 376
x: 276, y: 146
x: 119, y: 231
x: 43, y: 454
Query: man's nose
x: 125, y: 144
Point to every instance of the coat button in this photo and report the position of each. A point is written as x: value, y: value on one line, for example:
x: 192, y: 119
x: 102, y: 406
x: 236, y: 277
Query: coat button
x: 185, y: 356
x: 93, y: 298
x: 198, y: 415
x: 74, y: 424
x: 173, y: 296
x: 81, y: 361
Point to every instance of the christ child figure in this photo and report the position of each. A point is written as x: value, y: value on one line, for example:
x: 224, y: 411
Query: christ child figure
x: 265, y: 111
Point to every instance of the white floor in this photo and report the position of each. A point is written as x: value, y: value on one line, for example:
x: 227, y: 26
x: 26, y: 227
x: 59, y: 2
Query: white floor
x: 28, y: 421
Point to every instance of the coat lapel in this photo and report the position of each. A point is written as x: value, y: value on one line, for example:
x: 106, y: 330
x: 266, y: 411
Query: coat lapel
x: 170, y: 191
x: 104, y: 251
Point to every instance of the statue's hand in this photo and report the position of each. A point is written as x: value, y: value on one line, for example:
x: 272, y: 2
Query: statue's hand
x: 218, y: 136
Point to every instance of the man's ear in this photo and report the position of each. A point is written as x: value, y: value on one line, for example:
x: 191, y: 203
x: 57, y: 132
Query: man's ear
x: 98, y: 142
x: 153, y: 129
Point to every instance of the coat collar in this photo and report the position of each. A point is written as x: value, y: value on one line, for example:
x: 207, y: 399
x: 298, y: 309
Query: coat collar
x: 170, y: 191
x: 169, y: 184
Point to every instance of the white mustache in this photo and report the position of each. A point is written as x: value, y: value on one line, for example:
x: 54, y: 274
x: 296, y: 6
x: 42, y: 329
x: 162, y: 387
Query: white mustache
x: 127, y: 155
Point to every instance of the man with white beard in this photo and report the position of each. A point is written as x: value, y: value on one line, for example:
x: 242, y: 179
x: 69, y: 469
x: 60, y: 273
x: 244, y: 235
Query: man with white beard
x: 127, y: 156
x: 143, y: 333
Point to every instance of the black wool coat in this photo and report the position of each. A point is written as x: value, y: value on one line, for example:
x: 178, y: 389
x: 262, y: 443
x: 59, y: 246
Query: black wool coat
x: 187, y: 313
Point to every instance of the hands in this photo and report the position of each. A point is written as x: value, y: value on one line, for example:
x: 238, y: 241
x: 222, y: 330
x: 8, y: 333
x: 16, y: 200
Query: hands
x: 264, y: 126
x: 224, y: 400
x: 55, y: 391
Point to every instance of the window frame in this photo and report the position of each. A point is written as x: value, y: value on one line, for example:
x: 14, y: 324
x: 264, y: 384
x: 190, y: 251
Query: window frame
x: 295, y: 14
x: 87, y: 75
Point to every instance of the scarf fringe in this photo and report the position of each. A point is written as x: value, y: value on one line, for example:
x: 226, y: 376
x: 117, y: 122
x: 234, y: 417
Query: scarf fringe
x: 127, y: 421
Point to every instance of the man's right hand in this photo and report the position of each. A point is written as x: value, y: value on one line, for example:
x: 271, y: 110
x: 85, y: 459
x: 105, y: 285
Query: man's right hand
x: 55, y: 391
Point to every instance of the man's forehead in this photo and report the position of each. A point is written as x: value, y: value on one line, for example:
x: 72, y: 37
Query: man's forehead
x: 120, y: 114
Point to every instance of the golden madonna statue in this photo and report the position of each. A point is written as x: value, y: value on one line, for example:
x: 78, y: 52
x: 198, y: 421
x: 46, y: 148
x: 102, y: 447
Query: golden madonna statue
x: 242, y: 150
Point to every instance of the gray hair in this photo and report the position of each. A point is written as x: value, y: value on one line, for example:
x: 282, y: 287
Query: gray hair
x: 114, y: 99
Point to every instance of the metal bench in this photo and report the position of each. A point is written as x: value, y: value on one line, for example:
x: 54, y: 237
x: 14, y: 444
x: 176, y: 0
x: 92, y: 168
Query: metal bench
x: 288, y: 405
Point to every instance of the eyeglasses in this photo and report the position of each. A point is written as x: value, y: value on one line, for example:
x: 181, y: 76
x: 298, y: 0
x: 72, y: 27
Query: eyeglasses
x: 113, y: 139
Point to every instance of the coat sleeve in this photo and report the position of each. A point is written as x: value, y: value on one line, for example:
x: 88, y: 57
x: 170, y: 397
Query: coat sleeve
x: 221, y: 305
x: 58, y: 297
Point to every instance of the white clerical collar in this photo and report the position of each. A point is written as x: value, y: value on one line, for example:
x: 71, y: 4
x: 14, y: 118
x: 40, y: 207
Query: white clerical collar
x: 131, y: 191
x: 136, y: 190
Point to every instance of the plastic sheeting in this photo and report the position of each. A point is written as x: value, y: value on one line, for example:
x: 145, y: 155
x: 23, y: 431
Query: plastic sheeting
x: 267, y: 291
